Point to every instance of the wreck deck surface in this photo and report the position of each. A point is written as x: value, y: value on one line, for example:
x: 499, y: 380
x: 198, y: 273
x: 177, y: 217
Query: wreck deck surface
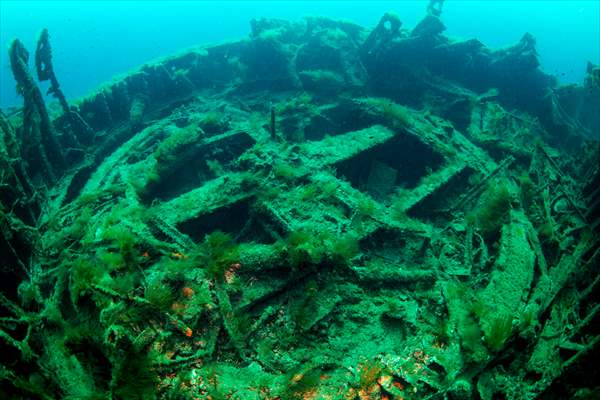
x: 415, y: 222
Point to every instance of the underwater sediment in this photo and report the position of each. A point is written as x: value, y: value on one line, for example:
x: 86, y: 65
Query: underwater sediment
x: 319, y: 211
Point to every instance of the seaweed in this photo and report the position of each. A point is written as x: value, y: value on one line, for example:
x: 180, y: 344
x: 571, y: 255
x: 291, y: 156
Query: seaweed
x: 305, y: 247
x: 497, y: 330
x: 85, y: 274
x: 213, y: 122
x: 394, y: 115
x: 492, y: 210
x: 344, y: 249
x: 365, y: 207
x: 217, y: 254
x: 286, y: 171
x: 133, y: 375
x: 528, y: 190
x: 302, y: 248
x: 160, y: 295
x: 126, y: 242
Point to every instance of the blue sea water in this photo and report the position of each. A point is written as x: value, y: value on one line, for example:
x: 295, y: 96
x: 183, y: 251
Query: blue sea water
x: 95, y: 40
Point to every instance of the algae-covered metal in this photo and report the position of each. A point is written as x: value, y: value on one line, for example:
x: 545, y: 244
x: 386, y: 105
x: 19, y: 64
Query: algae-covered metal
x: 317, y: 211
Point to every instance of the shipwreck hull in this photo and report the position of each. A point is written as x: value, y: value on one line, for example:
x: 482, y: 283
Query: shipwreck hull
x: 318, y: 211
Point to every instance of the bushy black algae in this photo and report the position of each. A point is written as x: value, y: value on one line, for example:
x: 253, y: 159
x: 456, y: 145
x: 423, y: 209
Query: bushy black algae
x: 324, y: 212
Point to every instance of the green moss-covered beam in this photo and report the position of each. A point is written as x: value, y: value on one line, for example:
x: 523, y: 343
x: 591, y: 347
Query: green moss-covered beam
x: 39, y: 141
x: 45, y: 71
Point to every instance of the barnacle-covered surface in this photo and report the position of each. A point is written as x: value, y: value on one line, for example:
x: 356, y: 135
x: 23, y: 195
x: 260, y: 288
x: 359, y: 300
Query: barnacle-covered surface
x: 319, y: 211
